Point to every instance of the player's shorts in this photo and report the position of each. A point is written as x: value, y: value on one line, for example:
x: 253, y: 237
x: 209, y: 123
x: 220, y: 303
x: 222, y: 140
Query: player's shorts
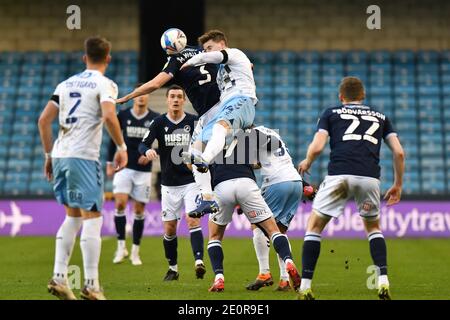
x: 335, y: 191
x: 137, y: 184
x: 283, y: 199
x: 243, y: 192
x: 238, y: 112
x: 202, y: 122
x: 78, y: 183
x: 173, y: 199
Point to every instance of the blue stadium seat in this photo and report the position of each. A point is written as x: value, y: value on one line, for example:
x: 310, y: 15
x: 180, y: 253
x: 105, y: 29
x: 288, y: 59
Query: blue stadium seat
x: 403, y: 57
x: 309, y: 57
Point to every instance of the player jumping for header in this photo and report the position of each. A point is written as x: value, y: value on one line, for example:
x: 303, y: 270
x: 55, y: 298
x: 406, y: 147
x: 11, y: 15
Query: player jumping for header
x: 237, y: 104
x: 355, y: 132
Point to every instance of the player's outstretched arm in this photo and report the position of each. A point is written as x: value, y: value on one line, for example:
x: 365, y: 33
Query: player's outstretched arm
x: 314, y: 150
x: 394, y: 194
x: 45, y: 131
x: 205, y: 57
x: 113, y: 127
x: 157, y: 82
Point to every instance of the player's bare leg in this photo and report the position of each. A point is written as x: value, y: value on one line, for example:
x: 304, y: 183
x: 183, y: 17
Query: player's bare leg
x: 138, y: 230
x: 170, y: 242
x: 65, y: 241
x: 311, y: 252
x: 215, y: 252
x: 378, y: 252
x: 196, y: 237
x: 282, y: 247
x: 90, y: 243
x: 120, y: 221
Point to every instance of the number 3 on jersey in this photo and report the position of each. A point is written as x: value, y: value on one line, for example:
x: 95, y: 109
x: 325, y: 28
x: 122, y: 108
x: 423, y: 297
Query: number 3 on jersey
x: 73, y: 95
x: 368, y: 135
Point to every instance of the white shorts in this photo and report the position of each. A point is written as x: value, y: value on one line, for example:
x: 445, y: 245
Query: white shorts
x: 243, y: 192
x: 335, y: 191
x: 173, y: 198
x: 137, y: 184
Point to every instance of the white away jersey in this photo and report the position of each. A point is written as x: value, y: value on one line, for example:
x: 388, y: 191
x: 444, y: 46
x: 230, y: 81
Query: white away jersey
x: 80, y: 116
x: 235, y: 76
x: 276, y: 166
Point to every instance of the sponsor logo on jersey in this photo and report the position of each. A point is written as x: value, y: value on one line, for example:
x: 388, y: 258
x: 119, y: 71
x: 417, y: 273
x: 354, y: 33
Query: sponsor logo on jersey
x: 256, y: 213
x: 177, y: 139
x: 136, y: 132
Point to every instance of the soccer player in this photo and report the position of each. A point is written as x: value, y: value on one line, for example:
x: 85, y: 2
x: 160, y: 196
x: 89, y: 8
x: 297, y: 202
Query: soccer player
x: 237, y: 103
x: 234, y: 184
x: 282, y: 189
x: 135, y: 180
x: 173, y: 132
x: 82, y: 102
x: 355, y: 132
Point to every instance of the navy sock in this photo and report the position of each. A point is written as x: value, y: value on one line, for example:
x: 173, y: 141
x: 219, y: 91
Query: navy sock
x: 138, y: 228
x: 216, y: 255
x: 170, y: 248
x: 120, y: 220
x: 281, y: 246
x: 197, y: 242
x: 378, y: 251
x: 311, y: 252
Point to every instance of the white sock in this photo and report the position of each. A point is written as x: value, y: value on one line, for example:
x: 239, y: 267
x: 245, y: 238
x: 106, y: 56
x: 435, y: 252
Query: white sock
x: 283, y: 273
x: 383, y: 280
x: 91, y: 243
x: 216, y: 143
x: 306, y: 284
x: 198, y: 261
x: 262, y: 248
x: 121, y: 244
x: 219, y: 276
x: 174, y: 268
x: 203, y: 181
x: 65, y: 240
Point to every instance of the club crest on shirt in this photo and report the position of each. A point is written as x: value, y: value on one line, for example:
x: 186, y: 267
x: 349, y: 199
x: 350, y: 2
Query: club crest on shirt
x: 147, y: 123
x: 187, y: 128
x: 128, y: 122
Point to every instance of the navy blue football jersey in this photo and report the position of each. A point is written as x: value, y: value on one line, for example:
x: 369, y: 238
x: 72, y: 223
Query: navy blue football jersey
x: 355, y: 132
x: 238, y: 164
x: 198, y: 82
x: 133, y: 129
x: 172, y: 138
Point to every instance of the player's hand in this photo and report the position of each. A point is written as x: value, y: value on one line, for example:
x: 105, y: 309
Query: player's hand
x: 304, y: 166
x: 109, y: 169
x: 48, y: 169
x: 143, y: 160
x: 393, y: 195
x: 184, y: 66
x: 122, y: 100
x: 120, y: 160
x: 151, y: 154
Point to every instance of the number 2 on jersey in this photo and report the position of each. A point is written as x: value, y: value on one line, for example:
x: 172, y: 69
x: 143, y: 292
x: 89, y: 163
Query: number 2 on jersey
x: 69, y: 119
x: 368, y: 135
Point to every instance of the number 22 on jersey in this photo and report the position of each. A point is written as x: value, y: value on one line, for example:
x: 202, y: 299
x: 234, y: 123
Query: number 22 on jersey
x: 368, y: 135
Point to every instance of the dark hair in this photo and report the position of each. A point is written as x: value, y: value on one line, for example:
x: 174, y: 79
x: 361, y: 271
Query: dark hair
x: 175, y: 87
x: 214, y: 35
x: 352, y: 89
x: 97, y: 49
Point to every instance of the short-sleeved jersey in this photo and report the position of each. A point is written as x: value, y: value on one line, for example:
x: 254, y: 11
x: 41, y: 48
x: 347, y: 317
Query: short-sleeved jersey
x: 355, y: 132
x: 199, y: 82
x: 173, y: 138
x: 134, y: 128
x: 235, y: 76
x: 273, y: 155
x: 79, y: 101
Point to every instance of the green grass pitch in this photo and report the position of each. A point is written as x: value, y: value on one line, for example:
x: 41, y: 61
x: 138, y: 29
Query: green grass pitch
x: 418, y: 269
